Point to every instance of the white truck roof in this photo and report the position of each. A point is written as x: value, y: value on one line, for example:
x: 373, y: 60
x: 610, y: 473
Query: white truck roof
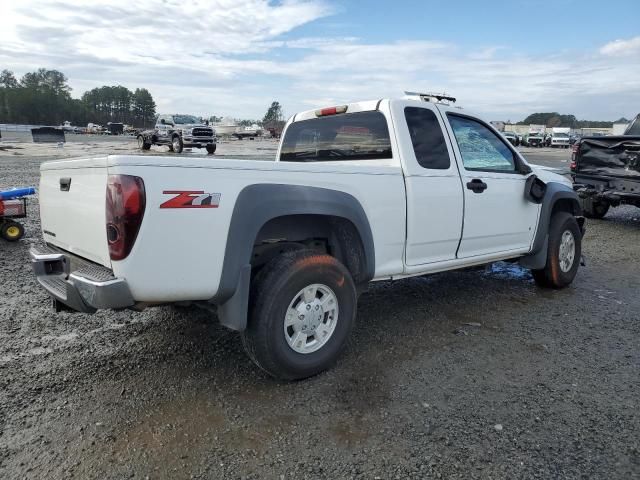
x: 369, y: 105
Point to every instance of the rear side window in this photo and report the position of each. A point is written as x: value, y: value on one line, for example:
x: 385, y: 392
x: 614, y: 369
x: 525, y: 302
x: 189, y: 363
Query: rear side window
x: 427, y: 138
x: 351, y: 136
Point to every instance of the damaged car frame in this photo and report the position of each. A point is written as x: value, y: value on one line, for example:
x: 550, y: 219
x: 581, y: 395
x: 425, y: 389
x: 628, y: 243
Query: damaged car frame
x: 606, y: 171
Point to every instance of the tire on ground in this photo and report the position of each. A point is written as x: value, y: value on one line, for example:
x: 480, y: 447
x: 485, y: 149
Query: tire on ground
x: 552, y: 275
x: 176, y: 143
x: 272, y: 290
x: 142, y: 144
x: 11, y: 231
x: 211, y: 149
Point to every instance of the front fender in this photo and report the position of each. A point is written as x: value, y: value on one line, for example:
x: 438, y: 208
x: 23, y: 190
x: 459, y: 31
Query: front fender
x: 555, y: 192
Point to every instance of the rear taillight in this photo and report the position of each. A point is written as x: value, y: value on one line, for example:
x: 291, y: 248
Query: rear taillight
x: 572, y: 166
x: 574, y: 155
x: 125, y: 209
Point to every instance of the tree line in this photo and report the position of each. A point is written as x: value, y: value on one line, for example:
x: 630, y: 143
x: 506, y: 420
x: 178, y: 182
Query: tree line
x: 555, y: 119
x: 44, y: 97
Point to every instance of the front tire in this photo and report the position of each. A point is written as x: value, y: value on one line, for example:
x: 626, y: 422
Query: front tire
x: 563, y: 253
x: 211, y: 149
x: 302, y: 310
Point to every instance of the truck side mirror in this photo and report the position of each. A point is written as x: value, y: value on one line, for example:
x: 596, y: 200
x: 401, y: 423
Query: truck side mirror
x: 162, y: 121
x: 534, y: 189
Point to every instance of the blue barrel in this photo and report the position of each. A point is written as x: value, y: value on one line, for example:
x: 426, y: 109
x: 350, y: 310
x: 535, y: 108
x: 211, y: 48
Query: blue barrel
x: 17, y: 192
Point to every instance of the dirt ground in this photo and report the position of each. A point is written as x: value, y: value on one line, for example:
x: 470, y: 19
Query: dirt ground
x: 471, y: 374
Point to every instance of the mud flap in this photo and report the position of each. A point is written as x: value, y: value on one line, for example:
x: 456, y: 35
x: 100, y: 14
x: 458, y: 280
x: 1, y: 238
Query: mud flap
x: 233, y: 313
x: 538, y: 260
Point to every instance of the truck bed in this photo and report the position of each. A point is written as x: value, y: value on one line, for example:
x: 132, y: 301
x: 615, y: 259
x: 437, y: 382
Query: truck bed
x: 170, y: 238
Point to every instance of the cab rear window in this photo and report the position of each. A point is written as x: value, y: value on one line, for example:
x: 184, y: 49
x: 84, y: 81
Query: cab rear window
x: 351, y: 136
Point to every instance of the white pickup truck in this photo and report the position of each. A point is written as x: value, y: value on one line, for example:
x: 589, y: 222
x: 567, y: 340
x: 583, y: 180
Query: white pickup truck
x: 375, y: 190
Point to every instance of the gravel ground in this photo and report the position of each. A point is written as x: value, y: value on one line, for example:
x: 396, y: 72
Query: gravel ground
x: 473, y: 374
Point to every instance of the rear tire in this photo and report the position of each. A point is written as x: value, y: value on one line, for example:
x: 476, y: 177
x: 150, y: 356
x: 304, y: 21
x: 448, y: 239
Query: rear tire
x: 176, y: 143
x: 12, y: 231
x: 143, y: 144
x: 594, y: 209
x: 302, y: 310
x: 211, y: 149
x: 563, y: 253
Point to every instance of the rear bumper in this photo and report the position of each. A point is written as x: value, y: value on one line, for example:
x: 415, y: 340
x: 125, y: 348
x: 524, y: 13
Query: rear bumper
x: 613, y: 190
x: 80, y: 285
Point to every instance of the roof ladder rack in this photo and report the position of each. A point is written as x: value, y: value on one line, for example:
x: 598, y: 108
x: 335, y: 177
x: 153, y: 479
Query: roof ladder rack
x: 430, y: 97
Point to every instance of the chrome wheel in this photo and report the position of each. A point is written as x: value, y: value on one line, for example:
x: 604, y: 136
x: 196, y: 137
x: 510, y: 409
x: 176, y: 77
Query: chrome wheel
x: 176, y: 144
x: 567, y: 252
x: 311, y: 318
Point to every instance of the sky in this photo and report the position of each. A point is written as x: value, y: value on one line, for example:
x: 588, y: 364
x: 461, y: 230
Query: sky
x: 500, y: 59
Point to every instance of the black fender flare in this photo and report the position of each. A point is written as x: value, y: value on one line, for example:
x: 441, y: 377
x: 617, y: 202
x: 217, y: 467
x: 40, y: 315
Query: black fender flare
x: 147, y: 135
x: 555, y: 192
x: 257, y: 204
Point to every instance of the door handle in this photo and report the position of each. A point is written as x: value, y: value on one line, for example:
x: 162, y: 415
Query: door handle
x: 477, y: 185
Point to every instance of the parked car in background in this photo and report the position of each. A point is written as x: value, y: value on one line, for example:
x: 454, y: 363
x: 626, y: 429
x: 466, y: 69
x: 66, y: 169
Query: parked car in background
x: 373, y: 190
x: 560, y: 137
x: 534, y: 140
x: 178, y: 132
x: 512, y: 137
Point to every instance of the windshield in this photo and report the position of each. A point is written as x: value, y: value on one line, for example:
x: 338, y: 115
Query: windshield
x: 185, y: 119
x: 354, y: 136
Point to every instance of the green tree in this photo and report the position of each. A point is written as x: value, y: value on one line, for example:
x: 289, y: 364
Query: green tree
x: 554, y: 119
x: 41, y: 97
x: 8, y: 85
x: 143, y: 108
x: 44, y: 97
x: 274, y: 114
x: 8, y: 79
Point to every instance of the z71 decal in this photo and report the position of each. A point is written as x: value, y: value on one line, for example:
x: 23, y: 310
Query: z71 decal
x: 191, y: 199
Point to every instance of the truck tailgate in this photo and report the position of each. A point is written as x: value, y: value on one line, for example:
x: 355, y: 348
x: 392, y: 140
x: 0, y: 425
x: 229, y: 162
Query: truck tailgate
x: 72, y: 207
